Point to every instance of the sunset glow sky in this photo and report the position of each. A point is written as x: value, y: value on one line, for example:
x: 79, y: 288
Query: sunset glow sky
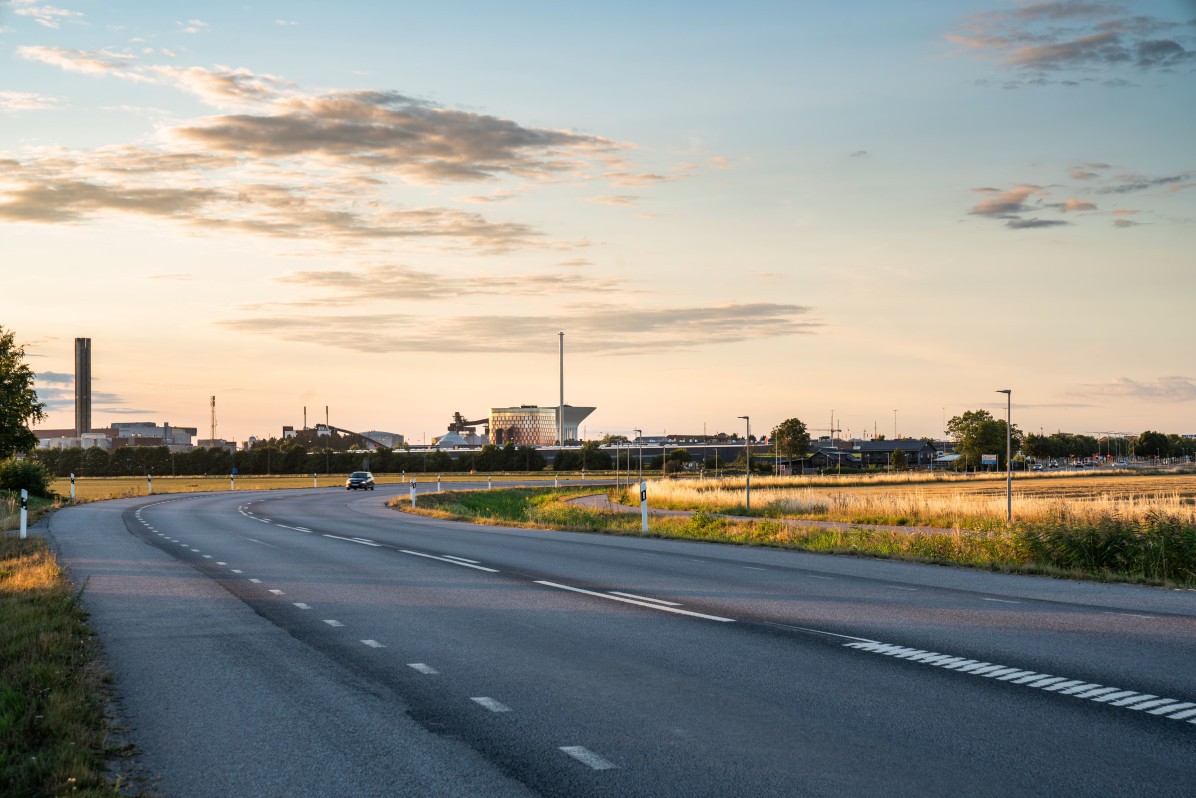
x: 767, y: 208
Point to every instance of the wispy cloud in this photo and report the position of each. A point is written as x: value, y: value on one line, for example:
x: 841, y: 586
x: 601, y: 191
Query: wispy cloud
x: 620, y: 200
x: 87, y: 62
x: 388, y: 283
x: 193, y: 26
x: 46, y: 15
x: 1162, y: 389
x: 26, y: 101
x: 1052, y: 40
x: 602, y: 329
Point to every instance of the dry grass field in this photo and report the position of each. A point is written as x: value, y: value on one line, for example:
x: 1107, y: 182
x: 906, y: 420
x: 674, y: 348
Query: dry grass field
x: 947, y: 502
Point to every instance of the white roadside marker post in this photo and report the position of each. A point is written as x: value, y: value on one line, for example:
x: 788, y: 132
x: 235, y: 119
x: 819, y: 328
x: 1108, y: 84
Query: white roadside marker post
x: 314, y: 483
x: 413, y: 492
x: 232, y: 481
x: 149, y: 484
x: 489, y: 483
x: 643, y: 506
x: 24, y: 512
x: 72, y: 488
x: 438, y: 483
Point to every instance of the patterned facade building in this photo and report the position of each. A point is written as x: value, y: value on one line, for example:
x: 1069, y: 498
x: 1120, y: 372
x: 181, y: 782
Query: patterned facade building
x: 532, y: 425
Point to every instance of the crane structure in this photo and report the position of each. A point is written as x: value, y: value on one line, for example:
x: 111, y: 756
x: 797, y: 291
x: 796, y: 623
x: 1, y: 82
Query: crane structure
x: 463, y: 426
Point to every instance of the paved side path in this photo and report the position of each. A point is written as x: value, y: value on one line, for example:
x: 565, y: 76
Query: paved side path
x: 601, y: 501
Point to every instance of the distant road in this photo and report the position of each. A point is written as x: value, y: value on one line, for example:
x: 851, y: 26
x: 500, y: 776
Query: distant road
x: 314, y: 642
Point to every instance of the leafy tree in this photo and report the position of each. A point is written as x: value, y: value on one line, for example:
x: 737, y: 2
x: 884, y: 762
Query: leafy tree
x: 1151, y: 444
x: 19, y: 406
x: 976, y: 432
x: 897, y: 459
x: 611, y: 440
x: 793, y: 439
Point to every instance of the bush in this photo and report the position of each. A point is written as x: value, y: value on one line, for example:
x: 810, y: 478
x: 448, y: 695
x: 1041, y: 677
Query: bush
x: 30, y: 475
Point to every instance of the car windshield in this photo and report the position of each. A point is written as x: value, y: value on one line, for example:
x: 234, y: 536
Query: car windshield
x: 359, y: 475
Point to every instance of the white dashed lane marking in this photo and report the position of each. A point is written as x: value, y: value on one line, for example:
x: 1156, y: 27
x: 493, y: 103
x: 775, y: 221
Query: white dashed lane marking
x: 278, y: 592
x: 587, y: 757
x: 255, y: 581
x: 332, y: 622
x: 301, y: 605
x: 354, y: 540
x: 373, y: 644
x: 422, y: 668
x: 491, y: 704
x: 1076, y: 688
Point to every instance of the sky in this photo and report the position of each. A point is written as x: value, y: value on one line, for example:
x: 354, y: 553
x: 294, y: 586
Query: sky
x: 873, y: 212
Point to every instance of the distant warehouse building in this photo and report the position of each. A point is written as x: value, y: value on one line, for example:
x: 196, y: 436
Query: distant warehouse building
x: 532, y: 425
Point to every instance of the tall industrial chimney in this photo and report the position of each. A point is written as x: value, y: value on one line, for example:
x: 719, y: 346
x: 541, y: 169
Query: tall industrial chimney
x: 213, y: 443
x: 82, y: 385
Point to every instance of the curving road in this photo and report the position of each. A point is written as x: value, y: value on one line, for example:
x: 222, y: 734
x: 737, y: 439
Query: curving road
x: 312, y: 642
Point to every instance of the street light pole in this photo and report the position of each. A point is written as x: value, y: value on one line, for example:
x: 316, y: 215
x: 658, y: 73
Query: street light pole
x: 639, y: 439
x: 747, y: 459
x: 1008, y: 453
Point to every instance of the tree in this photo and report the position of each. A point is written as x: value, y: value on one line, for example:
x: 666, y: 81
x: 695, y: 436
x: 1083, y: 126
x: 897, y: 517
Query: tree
x: 897, y: 459
x: 793, y: 439
x: 1152, y: 444
x: 19, y: 406
x: 976, y: 432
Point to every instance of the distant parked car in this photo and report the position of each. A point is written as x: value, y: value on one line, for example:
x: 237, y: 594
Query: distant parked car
x: 1122, y: 464
x: 360, y: 479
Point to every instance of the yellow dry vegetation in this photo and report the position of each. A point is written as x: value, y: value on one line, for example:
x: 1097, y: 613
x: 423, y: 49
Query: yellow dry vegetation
x: 942, y: 502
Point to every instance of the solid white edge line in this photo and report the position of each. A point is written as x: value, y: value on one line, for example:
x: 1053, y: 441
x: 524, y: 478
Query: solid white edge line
x: 1002, y: 601
x: 637, y: 603
x: 646, y: 598
x: 450, y: 562
x: 587, y: 757
x: 462, y: 559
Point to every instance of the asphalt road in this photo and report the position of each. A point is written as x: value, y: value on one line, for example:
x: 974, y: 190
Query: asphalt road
x: 313, y: 642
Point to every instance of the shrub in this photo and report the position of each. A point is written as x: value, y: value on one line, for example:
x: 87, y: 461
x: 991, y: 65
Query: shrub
x: 29, y: 475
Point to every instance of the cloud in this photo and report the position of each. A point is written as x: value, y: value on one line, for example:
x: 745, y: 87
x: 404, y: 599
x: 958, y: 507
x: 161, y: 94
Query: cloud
x: 181, y: 277
x: 1129, y: 183
x: 620, y: 200
x: 1030, y: 224
x: 156, y: 185
x: 285, y: 22
x: 1049, y: 39
x: 1006, y: 204
x: 45, y: 15
x: 1162, y: 389
x: 576, y: 263
x: 1123, y: 223
x: 54, y: 378
x: 601, y: 329
x: 87, y: 62
x: 492, y: 197
x: 858, y: 154
x: 395, y: 134
x: 384, y: 282
x: 193, y: 26
x: 26, y: 101
x: 224, y: 86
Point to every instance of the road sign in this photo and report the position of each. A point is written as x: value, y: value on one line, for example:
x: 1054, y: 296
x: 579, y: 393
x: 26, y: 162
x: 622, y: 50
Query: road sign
x: 988, y: 459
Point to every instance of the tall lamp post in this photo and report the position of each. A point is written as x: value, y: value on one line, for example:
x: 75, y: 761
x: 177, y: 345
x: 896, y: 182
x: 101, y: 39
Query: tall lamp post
x: 747, y: 459
x: 1008, y: 453
x: 639, y: 438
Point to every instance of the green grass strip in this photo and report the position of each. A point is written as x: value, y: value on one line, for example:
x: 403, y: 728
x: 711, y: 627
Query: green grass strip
x: 1158, y: 551
x: 52, y: 727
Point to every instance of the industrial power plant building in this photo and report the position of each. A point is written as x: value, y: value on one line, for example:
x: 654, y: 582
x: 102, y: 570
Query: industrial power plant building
x: 532, y: 425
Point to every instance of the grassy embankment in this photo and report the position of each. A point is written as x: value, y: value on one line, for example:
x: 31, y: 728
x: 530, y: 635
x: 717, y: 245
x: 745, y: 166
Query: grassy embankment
x: 1152, y: 549
x: 53, y: 739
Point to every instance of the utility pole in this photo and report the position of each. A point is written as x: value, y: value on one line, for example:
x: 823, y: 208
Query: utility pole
x: 747, y: 459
